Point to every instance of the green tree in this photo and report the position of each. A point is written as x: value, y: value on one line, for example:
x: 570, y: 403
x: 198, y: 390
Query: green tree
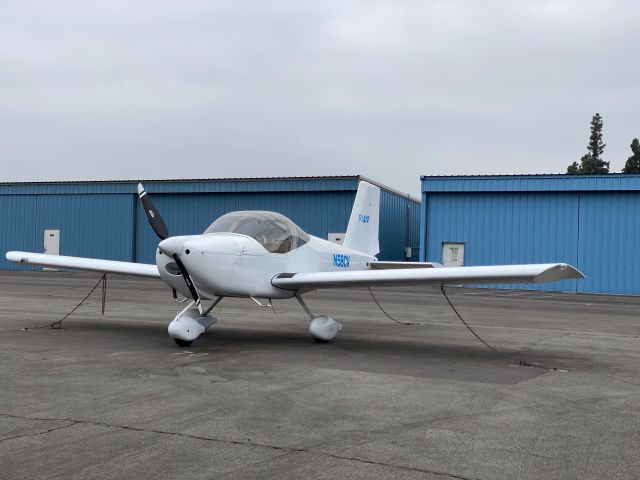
x: 596, y: 147
x: 633, y: 162
x: 574, y: 169
x: 592, y: 162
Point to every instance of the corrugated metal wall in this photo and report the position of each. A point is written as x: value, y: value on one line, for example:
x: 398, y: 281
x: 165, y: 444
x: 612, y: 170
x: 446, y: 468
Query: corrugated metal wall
x: 399, y: 226
x: 506, y: 228
x: 18, y: 226
x: 105, y: 220
x: 99, y: 226
x: 609, y: 239
x: 581, y: 220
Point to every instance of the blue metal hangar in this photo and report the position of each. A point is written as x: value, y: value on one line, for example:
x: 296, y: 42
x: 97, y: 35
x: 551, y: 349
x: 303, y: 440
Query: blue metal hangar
x: 103, y: 219
x: 589, y: 221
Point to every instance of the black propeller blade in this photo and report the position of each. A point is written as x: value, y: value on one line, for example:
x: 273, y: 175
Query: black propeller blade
x: 188, y: 281
x: 162, y: 231
x: 153, y: 215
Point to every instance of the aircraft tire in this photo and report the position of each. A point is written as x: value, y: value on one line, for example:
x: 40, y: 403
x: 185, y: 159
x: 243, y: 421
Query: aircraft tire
x: 183, y: 343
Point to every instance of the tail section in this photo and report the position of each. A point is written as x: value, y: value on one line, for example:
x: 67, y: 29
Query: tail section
x: 364, y: 224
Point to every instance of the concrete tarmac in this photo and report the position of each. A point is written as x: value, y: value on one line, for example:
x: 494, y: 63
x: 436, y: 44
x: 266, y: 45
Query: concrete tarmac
x: 113, y: 397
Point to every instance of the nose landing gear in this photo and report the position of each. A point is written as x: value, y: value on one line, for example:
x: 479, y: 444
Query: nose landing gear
x: 189, y: 324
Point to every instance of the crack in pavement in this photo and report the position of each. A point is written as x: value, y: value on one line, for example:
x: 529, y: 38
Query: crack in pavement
x: 279, y: 448
x: 71, y: 424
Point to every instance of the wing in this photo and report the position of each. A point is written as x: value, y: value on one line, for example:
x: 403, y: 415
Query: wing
x: 547, y: 272
x: 80, y: 263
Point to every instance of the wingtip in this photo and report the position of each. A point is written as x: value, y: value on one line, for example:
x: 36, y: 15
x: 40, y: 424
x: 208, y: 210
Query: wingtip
x: 571, y: 272
x: 577, y: 273
x: 140, y: 189
x: 14, y: 256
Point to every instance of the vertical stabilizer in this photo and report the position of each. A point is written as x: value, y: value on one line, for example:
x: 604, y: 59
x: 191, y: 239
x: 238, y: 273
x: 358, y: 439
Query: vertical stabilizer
x: 362, y: 232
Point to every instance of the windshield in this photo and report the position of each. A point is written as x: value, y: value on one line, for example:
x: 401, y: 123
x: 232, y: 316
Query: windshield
x: 273, y: 231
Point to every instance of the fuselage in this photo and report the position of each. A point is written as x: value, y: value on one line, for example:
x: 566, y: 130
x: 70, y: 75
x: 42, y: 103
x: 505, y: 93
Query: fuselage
x: 232, y: 264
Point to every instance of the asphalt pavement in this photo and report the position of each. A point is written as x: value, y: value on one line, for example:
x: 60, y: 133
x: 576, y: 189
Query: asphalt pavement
x: 113, y: 397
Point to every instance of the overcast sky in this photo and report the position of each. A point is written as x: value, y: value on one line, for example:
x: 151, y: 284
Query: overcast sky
x: 392, y: 90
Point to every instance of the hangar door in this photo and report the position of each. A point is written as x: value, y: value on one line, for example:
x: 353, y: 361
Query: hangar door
x: 597, y: 232
x: 506, y: 228
x: 608, y: 245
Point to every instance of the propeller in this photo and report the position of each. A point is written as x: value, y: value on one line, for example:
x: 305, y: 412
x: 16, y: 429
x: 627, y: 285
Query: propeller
x: 187, y: 279
x: 158, y: 225
x: 153, y: 215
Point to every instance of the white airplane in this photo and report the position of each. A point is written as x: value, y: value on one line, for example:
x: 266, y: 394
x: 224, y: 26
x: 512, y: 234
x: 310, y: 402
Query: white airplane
x: 264, y: 255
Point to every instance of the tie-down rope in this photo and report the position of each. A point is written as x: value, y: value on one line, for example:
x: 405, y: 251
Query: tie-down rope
x: 473, y: 332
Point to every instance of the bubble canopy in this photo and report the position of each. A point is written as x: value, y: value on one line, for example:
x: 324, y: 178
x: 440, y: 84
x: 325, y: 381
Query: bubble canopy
x: 275, y: 232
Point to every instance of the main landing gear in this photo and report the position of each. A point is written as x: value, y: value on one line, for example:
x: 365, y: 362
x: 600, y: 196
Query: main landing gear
x: 189, y: 324
x: 322, y: 328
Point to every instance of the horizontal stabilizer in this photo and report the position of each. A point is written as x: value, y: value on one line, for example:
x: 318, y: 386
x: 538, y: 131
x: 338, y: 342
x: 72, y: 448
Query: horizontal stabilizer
x: 81, y: 263
x: 537, y: 273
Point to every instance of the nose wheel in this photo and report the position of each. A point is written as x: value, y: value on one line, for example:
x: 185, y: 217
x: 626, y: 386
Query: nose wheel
x: 189, y: 324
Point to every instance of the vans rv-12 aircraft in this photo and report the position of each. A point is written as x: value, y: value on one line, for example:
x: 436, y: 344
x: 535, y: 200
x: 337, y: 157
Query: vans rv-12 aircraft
x: 264, y: 255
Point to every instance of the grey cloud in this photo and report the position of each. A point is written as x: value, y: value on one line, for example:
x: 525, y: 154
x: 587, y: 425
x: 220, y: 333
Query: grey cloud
x: 388, y: 89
